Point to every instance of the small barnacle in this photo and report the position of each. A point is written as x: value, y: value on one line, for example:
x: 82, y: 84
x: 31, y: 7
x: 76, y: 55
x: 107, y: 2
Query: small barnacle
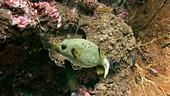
x: 146, y: 58
x: 153, y: 71
x: 138, y: 78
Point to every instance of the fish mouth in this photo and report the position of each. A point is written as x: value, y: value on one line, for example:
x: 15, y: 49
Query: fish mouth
x: 57, y: 47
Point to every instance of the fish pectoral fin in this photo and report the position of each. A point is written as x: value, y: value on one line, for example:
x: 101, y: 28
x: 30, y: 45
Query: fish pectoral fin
x: 70, y: 75
x: 76, y: 52
x: 100, y: 70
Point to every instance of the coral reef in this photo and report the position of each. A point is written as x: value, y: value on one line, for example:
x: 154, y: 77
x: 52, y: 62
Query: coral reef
x: 30, y: 66
x: 110, y: 33
x: 25, y: 13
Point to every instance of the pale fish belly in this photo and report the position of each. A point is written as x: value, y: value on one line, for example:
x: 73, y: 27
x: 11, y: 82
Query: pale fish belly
x: 83, y: 64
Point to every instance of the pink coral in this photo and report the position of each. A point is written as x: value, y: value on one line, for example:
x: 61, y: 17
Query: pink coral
x: 51, y: 11
x: 122, y: 15
x: 82, y: 91
x: 31, y: 12
x: 21, y: 21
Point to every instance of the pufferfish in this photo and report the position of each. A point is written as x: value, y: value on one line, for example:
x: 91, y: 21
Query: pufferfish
x: 85, y: 54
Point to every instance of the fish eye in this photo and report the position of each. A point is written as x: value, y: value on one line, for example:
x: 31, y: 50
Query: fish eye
x: 63, y: 47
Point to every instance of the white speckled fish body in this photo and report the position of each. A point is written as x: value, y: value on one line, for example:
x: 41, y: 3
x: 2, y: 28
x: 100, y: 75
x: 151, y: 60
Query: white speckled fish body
x: 87, y: 57
x: 83, y: 53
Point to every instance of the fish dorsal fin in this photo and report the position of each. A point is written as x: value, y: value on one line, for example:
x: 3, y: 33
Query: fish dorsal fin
x: 101, y: 56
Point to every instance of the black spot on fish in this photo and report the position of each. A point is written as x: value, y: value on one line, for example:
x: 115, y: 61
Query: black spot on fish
x: 99, y: 51
x: 63, y: 47
x: 73, y: 52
